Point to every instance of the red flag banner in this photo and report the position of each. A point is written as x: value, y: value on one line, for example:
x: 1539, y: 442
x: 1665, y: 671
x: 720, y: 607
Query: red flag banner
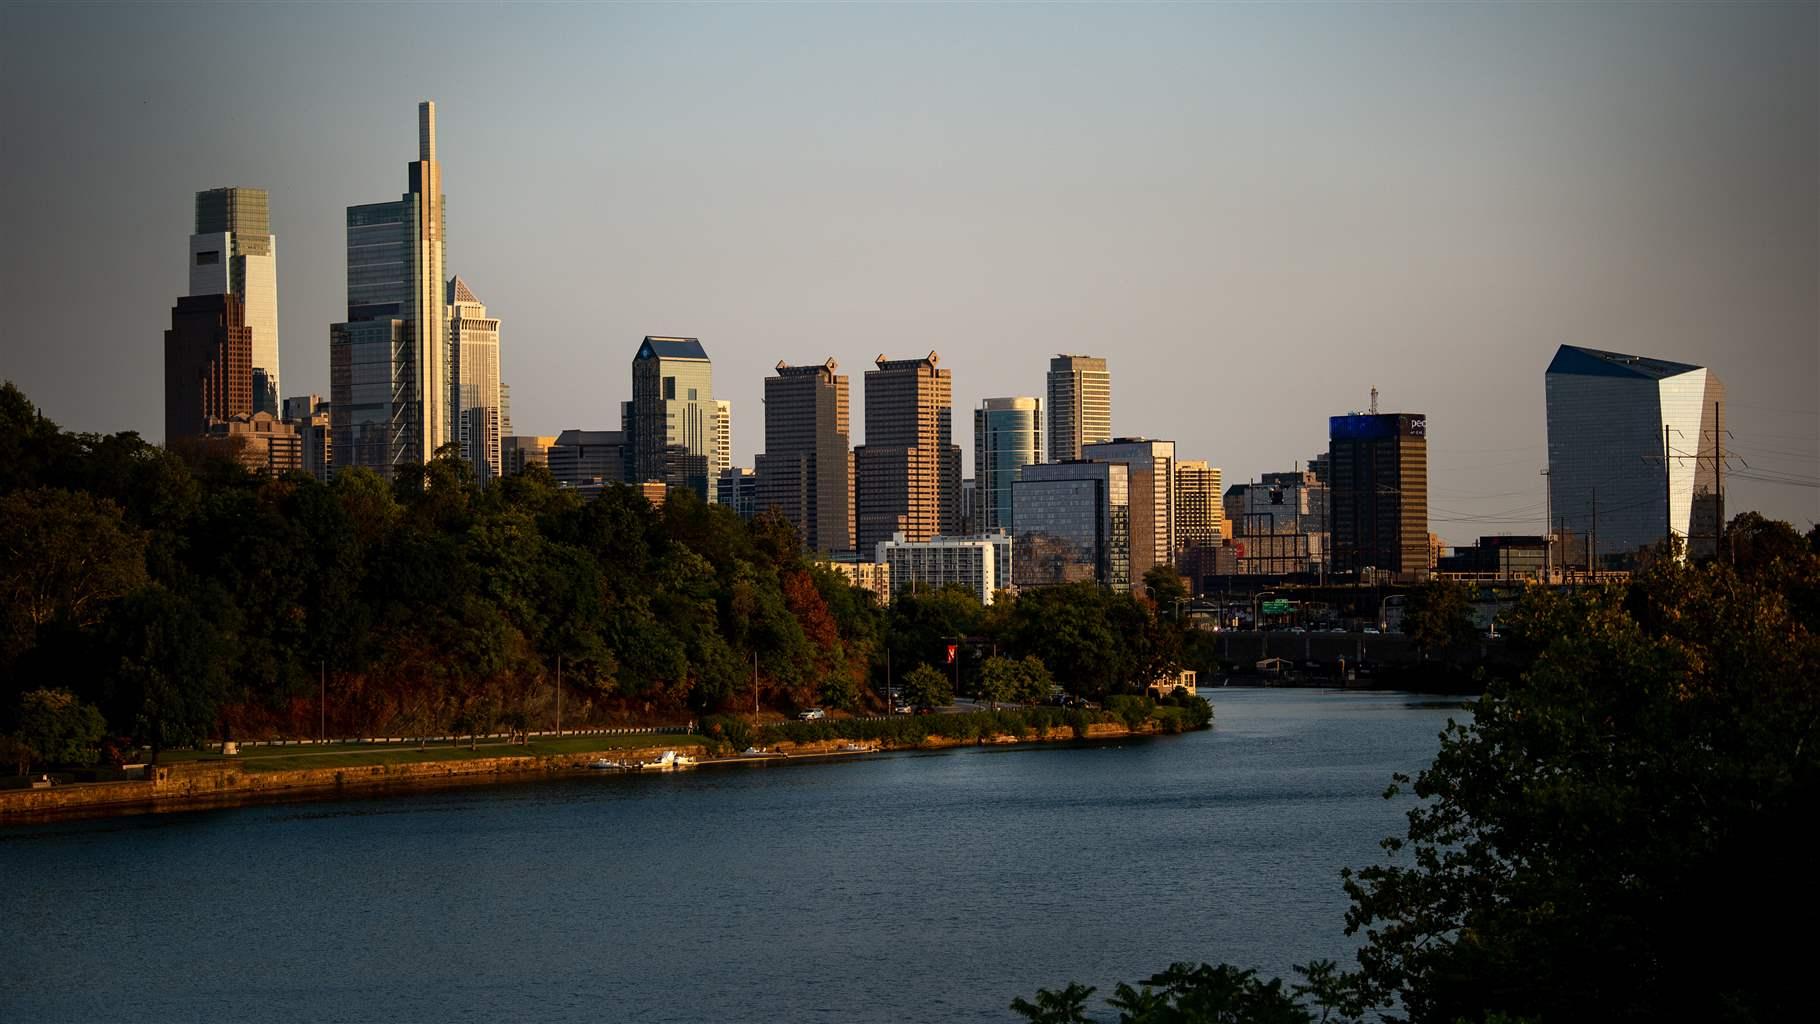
x: 951, y: 649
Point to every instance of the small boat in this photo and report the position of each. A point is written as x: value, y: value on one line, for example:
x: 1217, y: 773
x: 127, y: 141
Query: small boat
x: 670, y: 762
x: 604, y: 765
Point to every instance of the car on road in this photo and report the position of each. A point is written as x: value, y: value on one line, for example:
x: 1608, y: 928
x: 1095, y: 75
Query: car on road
x: 1372, y: 631
x: 811, y: 714
x: 902, y: 709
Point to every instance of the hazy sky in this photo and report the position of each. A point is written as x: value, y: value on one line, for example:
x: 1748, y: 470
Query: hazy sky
x: 1256, y: 212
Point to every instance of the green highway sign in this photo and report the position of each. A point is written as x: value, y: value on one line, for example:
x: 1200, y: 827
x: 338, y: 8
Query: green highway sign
x: 1276, y: 607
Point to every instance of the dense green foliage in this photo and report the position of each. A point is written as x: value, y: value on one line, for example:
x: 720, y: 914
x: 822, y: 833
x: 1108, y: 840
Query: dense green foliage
x: 187, y: 600
x: 1616, y: 835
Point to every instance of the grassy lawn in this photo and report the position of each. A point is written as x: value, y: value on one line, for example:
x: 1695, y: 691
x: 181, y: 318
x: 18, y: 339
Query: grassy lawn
x: 357, y: 755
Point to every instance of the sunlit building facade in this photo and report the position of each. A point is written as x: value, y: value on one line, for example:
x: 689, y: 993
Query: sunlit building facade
x: 1073, y: 524
x: 233, y: 252
x: 1632, y: 451
x: 394, y: 399
x: 1080, y: 405
x: 1007, y: 436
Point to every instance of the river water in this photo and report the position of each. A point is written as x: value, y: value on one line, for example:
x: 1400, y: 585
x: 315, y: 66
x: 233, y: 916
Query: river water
x: 904, y: 887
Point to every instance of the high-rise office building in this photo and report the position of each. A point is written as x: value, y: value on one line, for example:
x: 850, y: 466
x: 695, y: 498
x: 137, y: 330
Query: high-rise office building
x: 391, y: 370
x: 474, y: 340
x: 1377, y: 467
x: 673, y: 414
x: 259, y: 441
x: 723, y: 438
x: 805, y: 470
x: 1152, y: 482
x: 208, y: 365
x: 908, y: 473
x: 1007, y: 436
x: 1279, y: 524
x: 233, y: 251
x: 520, y: 451
x: 309, y: 415
x: 1080, y: 405
x: 1632, y: 450
x: 1199, y: 510
x: 589, y: 460
x: 1073, y: 523
x: 737, y: 489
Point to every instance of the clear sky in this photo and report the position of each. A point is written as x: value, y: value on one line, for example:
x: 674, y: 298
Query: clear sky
x: 1257, y: 212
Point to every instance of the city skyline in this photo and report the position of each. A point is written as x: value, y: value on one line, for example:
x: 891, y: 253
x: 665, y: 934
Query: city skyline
x: 1511, y: 233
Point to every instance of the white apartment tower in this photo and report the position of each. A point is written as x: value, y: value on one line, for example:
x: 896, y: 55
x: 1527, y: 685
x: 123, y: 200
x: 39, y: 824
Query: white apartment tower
x: 233, y: 252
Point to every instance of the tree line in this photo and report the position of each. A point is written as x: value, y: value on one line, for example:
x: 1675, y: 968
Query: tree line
x: 164, y: 598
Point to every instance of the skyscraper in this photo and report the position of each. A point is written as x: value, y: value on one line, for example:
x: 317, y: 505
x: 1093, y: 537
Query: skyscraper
x: 474, y: 339
x: 208, y: 365
x: 233, y: 251
x: 1152, y: 481
x: 1378, y: 493
x: 392, y: 375
x: 804, y: 470
x: 723, y: 439
x: 673, y: 414
x: 1198, y: 505
x: 1073, y: 524
x: 908, y: 473
x: 1610, y: 419
x: 1007, y: 436
x: 1080, y: 405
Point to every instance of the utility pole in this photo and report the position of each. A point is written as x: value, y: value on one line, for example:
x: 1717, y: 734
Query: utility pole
x: 1548, y: 540
x: 1592, y: 553
x: 1718, y: 485
x: 1668, y: 491
x: 754, y: 687
x: 322, y: 724
x: 559, y: 696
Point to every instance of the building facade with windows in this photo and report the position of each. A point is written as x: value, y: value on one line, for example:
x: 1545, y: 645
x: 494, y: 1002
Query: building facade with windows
x: 1152, y: 489
x: 908, y: 473
x: 208, y: 365
x: 1073, y: 524
x: 1633, y: 451
x: 1007, y: 436
x: 589, y: 460
x: 233, y: 252
x: 674, y: 417
x: 394, y: 399
x: 1080, y: 405
x: 805, y: 471
x: 474, y: 340
x: 982, y: 564
x: 1378, y: 493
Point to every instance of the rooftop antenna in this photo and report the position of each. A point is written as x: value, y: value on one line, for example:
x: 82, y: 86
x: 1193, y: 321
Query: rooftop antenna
x: 1374, y: 401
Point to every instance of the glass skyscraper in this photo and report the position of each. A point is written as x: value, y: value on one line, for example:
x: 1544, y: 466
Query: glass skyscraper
x: 233, y: 252
x: 674, y: 416
x: 1610, y: 418
x: 1152, y: 482
x: 1007, y: 436
x: 393, y: 388
x: 474, y: 341
x: 1073, y: 523
x: 1080, y: 405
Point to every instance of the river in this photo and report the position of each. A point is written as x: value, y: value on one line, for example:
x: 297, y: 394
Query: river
x: 926, y: 887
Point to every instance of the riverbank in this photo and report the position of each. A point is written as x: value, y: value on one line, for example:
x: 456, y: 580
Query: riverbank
x: 226, y: 781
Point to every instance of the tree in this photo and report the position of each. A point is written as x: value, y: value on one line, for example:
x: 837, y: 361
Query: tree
x: 1438, y: 615
x: 63, y: 557
x: 1166, y: 589
x: 1616, y: 835
x: 926, y: 687
x: 1190, y: 994
x: 56, y: 728
x: 1025, y: 680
